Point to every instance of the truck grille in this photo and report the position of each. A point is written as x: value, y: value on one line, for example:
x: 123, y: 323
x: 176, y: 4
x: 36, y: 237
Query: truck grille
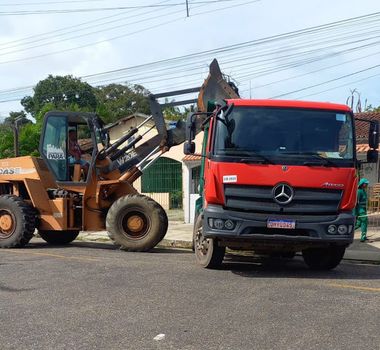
x: 259, y: 199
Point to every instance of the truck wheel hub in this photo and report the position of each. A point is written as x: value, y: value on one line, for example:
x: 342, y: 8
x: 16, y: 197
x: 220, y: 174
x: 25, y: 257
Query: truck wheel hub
x: 201, y: 243
x: 6, y: 223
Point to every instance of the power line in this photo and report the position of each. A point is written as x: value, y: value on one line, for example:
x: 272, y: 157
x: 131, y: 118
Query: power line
x: 91, y: 33
x: 97, y: 9
x: 51, y: 2
x: 339, y: 86
x: 327, y: 82
x: 230, y: 48
x: 67, y: 30
x: 115, y: 37
x: 314, y: 71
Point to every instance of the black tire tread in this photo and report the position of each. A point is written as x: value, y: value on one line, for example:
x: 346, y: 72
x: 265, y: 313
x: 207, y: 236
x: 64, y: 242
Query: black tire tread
x: 28, y: 222
x: 323, y: 259
x: 156, y: 208
x: 218, y: 253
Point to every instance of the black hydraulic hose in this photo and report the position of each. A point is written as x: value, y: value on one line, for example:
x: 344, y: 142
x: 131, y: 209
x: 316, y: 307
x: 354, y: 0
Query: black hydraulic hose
x: 126, y: 148
x: 119, y: 142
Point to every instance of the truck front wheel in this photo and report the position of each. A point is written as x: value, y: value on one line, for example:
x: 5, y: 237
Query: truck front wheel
x: 207, y: 252
x: 323, y: 258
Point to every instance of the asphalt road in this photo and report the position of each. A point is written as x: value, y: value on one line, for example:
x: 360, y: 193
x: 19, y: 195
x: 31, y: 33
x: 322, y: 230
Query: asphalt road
x: 92, y: 296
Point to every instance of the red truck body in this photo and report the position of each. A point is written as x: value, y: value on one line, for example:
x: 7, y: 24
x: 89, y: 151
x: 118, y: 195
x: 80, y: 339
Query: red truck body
x: 281, y: 183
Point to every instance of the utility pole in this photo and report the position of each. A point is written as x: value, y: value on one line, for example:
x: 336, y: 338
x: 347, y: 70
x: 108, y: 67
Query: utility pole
x: 187, y: 8
x: 15, y: 137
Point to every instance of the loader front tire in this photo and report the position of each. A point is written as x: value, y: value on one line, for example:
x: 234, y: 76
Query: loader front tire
x: 58, y: 237
x: 136, y: 223
x: 17, y: 222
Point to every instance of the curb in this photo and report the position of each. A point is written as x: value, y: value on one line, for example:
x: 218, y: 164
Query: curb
x: 173, y: 243
x: 165, y: 243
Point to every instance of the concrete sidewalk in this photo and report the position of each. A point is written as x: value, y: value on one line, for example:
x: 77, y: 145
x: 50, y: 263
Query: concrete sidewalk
x: 179, y: 235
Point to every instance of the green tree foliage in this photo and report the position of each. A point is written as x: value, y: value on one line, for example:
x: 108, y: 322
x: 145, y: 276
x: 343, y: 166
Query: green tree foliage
x: 62, y: 92
x: 19, y: 116
x: 176, y: 113
x: 6, y: 144
x: 370, y: 108
x: 116, y: 101
x: 29, y: 137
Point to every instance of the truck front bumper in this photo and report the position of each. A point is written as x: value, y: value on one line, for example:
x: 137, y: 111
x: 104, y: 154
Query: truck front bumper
x: 310, y: 229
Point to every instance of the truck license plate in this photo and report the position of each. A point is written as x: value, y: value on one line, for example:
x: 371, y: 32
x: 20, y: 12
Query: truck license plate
x: 286, y: 224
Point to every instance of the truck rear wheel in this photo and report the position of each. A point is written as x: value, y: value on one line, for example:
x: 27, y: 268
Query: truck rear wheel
x: 17, y: 222
x: 323, y: 258
x: 136, y: 223
x: 207, y: 252
x: 58, y: 237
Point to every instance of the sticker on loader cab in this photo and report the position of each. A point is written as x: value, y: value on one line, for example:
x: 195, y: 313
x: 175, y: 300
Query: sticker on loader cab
x: 227, y: 179
x: 10, y: 171
x: 55, y: 153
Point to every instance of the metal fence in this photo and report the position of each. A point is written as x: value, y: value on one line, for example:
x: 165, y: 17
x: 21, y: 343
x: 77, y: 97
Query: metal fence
x: 164, y: 177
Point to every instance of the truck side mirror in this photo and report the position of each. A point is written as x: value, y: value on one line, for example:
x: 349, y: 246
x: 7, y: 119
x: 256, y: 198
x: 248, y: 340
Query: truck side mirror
x: 190, y: 126
x: 189, y: 147
x: 372, y: 156
x: 373, y: 137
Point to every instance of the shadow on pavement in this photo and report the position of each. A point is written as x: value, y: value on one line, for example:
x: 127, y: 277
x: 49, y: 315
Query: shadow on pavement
x: 40, y: 244
x: 296, y: 268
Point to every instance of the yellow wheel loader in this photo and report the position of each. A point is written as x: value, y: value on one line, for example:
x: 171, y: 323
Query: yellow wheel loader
x: 61, y: 194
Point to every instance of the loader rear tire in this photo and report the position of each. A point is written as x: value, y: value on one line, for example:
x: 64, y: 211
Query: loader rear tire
x: 17, y: 222
x: 58, y: 237
x: 136, y: 223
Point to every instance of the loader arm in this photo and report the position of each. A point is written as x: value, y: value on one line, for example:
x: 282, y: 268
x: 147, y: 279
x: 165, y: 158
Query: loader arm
x: 132, y: 159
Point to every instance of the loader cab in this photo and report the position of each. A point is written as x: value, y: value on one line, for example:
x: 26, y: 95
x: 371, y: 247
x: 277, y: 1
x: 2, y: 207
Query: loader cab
x: 57, y: 140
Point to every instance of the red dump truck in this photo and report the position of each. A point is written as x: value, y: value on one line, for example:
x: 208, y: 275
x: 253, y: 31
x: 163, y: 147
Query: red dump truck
x: 278, y: 177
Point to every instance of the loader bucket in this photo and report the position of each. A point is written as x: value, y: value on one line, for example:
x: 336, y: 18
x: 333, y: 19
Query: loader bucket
x: 215, y: 88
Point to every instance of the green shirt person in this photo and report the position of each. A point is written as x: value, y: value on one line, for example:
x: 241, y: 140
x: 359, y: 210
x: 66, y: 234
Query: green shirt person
x: 361, y: 209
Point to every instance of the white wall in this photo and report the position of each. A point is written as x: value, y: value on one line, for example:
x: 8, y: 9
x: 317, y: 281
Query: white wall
x: 188, y: 198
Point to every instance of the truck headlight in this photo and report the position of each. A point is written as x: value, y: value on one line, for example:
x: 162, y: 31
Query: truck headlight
x: 219, y: 224
x: 342, y: 229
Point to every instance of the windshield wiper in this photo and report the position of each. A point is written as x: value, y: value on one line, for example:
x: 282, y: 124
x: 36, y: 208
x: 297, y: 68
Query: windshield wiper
x: 317, y: 156
x: 262, y: 160
x: 252, y: 156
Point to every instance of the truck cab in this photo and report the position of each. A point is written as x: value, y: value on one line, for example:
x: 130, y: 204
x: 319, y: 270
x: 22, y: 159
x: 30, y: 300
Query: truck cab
x: 279, y: 177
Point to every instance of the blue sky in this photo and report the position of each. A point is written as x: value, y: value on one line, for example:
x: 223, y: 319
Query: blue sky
x: 172, y: 34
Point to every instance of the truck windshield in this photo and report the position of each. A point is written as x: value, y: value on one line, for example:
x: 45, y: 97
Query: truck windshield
x: 286, y: 136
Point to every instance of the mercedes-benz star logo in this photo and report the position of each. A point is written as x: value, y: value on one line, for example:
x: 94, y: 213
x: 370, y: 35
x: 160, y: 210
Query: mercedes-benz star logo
x: 283, y: 194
